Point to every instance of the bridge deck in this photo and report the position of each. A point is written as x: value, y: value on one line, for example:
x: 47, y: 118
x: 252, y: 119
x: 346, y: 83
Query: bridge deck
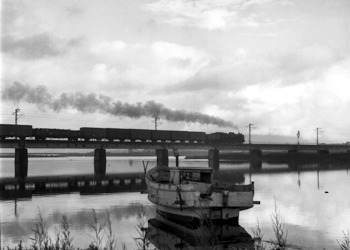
x: 167, y: 145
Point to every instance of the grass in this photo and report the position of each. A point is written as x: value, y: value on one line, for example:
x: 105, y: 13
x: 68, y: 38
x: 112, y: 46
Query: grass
x: 280, y: 233
x: 280, y: 241
x: 66, y: 238
x: 258, y: 237
x: 103, y: 237
x: 278, y: 226
x: 141, y: 240
x: 345, y: 244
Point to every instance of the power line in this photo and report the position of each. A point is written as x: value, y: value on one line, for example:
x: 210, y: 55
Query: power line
x: 298, y: 135
x: 317, y: 131
x: 251, y: 127
x: 17, y: 115
x: 156, y: 122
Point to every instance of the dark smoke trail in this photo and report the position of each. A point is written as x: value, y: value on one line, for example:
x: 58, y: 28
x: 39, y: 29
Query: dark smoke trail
x: 89, y: 103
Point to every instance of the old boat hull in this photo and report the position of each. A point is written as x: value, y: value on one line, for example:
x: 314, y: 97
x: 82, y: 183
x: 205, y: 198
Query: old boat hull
x: 193, y: 201
x: 193, y: 218
x: 165, y: 234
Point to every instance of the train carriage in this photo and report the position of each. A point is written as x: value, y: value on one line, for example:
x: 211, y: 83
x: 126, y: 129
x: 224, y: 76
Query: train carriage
x: 45, y: 133
x: 141, y: 135
x: 12, y: 131
x: 74, y: 135
x: 97, y: 134
x: 180, y: 136
x: 224, y: 138
x: 161, y: 135
x: 118, y: 134
x: 197, y: 137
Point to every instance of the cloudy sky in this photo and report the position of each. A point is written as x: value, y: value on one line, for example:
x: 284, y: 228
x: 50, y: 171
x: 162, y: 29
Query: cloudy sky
x: 283, y: 65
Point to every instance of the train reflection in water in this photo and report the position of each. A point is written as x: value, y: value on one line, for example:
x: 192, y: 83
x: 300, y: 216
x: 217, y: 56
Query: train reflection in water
x: 165, y: 234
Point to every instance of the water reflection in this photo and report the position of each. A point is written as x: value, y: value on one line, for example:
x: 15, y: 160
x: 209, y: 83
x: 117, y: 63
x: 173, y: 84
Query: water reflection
x: 122, y: 207
x: 165, y: 234
x: 318, y: 167
x: 110, y: 183
x: 313, y: 217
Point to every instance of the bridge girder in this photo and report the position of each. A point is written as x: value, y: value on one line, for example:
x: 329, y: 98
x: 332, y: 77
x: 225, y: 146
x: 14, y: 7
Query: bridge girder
x: 151, y: 145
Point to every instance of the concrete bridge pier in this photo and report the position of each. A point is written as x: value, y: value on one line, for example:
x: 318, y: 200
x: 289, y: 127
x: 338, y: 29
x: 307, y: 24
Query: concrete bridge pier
x: 162, y: 157
x: 255, y: 158
x: 21, y: 162
x: 323, y: 151
x: 255, y: 153
x: 214, y: 158
x: 100, y: 161
x: 255, y: 164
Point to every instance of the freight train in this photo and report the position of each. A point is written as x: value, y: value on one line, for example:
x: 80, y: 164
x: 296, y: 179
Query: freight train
x: 27, y: 132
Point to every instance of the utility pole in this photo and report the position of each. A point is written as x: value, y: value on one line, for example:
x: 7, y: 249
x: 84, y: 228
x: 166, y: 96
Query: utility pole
x: 17, y: 116
x: 156, y: 122
x: 317, y: 131
x: 250, y: 126
x: 298, y: 135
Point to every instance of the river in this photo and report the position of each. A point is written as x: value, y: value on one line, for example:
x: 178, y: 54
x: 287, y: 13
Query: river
x: 313, y: 201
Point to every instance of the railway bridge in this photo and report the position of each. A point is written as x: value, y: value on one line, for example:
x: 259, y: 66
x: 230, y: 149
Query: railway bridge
x: 161, y: 150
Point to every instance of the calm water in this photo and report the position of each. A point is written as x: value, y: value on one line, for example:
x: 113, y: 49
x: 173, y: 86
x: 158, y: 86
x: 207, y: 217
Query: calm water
x: 313, y: 200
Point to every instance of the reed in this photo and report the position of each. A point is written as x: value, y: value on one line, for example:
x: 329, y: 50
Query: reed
x: 258, y: 237
x: 63, y: 239
x: 41, y: 239
x: 98, y: 231
x: 111, y: 238
x: 281, y: 234
x: 141, y: 239
x: 67, y: 239
x: 345, y: 244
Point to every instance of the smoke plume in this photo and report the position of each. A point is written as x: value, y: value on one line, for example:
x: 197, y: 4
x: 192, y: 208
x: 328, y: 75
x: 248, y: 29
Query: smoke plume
x: 90, y: 103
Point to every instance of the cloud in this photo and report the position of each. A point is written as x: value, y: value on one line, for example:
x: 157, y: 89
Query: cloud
x: 159, y: 63
x: 37, y: 46
x: 91, y: 103
x: 306, y: 63
x: 9, y: 15
x: 74, y: 11
x: 317, y: 102
x: 229, y: 74
x: 243, y: 68
x: 206, y: 14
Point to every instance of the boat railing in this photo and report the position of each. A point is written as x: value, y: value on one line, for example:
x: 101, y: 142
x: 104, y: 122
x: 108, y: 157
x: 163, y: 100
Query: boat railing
x: 218, y: 186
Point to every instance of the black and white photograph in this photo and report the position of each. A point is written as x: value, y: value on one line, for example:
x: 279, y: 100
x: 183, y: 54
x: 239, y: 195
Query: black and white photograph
x: 175, y: 124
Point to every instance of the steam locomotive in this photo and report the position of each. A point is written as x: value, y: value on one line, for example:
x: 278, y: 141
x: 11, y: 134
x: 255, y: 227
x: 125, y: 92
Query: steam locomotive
x: 27, y: 132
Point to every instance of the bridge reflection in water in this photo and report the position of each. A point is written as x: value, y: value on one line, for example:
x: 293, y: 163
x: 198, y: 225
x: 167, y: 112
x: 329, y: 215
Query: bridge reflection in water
x: 14, y: 188
x: 165, y: 234
x: 17, y: 187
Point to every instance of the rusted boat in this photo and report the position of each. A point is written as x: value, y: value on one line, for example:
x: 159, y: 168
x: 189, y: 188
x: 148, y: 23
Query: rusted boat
x: 189, y: 194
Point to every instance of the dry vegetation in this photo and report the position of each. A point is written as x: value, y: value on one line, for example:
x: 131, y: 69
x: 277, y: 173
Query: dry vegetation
x: 103, y: 237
